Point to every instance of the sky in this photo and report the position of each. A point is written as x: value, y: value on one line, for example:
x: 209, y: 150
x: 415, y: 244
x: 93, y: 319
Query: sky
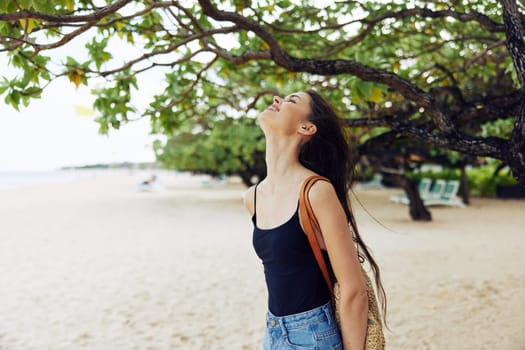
x: 50, y: 133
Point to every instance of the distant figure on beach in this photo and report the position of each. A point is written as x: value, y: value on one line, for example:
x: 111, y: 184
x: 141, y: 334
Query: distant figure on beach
x: 304, y: 137
x: 150, y: 181
x: 149, y: 184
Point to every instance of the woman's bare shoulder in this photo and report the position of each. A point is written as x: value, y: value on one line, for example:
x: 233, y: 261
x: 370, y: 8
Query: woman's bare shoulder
x: 322, y: 191
x: 247, y: 199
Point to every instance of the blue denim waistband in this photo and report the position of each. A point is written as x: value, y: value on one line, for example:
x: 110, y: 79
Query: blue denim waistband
x: 321, y: 313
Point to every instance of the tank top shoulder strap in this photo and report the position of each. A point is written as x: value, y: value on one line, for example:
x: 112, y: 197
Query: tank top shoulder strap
x: 255, y: 201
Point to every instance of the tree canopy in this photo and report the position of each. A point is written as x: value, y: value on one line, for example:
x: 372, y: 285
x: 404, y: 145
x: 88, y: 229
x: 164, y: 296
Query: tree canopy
x: 440, y: 74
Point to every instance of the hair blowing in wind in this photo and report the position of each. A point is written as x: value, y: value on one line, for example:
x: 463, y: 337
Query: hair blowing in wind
x: 327, y: 153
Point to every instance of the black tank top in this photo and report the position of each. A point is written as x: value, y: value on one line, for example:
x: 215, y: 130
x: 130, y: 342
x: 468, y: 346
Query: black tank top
x: 294, y: 280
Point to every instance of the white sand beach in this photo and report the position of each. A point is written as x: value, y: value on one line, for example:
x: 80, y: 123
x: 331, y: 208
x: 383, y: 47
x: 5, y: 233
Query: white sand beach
x: 95, y: 264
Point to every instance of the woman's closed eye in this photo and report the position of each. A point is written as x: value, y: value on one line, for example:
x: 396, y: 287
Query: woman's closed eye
x: 289, y: 100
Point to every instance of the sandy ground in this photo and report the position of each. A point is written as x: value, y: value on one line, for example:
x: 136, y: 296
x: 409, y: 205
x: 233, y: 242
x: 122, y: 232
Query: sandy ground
x: 96, y: 264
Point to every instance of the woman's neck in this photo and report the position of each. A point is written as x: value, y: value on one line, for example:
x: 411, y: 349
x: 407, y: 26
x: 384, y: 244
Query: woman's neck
x: 282, y: 160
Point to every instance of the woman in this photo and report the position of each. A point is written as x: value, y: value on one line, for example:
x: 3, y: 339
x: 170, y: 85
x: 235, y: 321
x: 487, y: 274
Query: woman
x: 304, y: 137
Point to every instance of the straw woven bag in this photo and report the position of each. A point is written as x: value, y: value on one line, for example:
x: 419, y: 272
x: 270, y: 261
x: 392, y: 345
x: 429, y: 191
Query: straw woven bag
x: 375, y: 339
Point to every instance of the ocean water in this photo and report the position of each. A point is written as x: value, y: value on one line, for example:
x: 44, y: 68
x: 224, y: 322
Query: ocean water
x: 10, y: 179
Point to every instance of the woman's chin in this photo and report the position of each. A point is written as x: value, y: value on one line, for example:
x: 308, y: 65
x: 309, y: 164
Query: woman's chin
x: 264, y: 114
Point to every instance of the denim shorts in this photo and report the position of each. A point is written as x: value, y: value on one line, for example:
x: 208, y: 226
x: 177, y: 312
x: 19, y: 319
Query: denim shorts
x: 315, y: 329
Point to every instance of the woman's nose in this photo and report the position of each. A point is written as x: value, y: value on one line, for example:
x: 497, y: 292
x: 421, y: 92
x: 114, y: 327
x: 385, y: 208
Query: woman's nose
x: 277, y: 99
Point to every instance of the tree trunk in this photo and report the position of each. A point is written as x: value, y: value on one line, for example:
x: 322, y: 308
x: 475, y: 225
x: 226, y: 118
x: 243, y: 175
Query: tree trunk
x: 516, y: 154
x: 514, y: 32
x: 418, y: 211
x: 464, y: 186
x: 246, y: 177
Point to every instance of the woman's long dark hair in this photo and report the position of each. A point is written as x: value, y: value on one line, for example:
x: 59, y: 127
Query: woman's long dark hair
x: 328, y: 154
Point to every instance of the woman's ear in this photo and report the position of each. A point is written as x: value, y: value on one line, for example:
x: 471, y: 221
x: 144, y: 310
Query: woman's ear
x: 307, y: 129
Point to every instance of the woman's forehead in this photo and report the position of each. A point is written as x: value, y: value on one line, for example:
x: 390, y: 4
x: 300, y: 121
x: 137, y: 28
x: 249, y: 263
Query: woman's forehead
x: 300, y: 95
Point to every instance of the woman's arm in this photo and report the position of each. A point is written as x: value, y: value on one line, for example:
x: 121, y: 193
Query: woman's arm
x: 345, y: 263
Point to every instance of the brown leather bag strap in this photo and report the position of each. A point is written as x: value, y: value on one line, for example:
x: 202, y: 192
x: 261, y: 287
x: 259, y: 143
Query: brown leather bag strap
x: 310, y: 225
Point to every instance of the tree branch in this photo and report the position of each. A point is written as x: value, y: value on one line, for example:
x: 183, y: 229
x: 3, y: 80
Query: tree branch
x: 258, y: 96
x: 489, y: 108
x: 477, y: 57
x: 95, y: 16
x: 277, y: 53
x: 190, y: 88
x: 328, y: 67
x: 369, y: 122
x: 482, y: 19
x: 170, y: 49
x: 486, y: 147
x: 65, y: 39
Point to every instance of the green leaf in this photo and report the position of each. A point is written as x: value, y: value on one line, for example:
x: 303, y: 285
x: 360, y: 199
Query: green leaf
x: 43, y: 6
x: 4, y: 85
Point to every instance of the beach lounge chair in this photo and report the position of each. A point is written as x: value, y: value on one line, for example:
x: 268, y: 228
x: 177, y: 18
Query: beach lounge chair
x: 215, y: 181
x: 436, y: 191
x: 447, y: 197
x: 423, y: 187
